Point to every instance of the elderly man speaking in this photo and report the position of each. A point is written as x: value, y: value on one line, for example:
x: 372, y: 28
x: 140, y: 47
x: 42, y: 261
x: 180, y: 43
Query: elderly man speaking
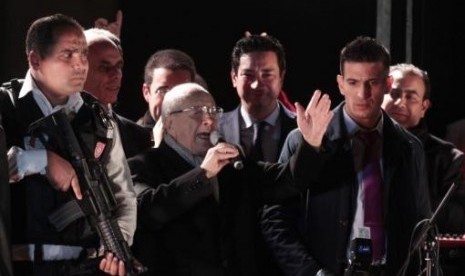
x: 197, y: 215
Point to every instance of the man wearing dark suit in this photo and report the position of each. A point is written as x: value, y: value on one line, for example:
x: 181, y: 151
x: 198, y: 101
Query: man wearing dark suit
x: 455, y: 133
x: 311, y: 236
x: 104, y: 81
x: 258, y: 67
x: 407, y: 103
x: 232, y: 127
x: 135, y: 138
x: 198, y: 216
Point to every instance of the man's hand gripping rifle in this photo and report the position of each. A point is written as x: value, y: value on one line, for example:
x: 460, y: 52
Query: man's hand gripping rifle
x: 98, y: 203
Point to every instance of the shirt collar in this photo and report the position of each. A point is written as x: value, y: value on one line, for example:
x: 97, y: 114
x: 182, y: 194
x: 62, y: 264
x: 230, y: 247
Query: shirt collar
x: 182, y: 151
x: 271, y: 119
x: 73, y: 104
x: 353, y: 127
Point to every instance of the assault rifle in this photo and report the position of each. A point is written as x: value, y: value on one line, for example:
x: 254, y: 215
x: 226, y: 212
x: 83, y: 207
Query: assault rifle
x: 98, y: 203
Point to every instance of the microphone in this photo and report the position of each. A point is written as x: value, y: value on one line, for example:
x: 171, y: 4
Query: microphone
x: 215, y: 138
x: 360, y: 257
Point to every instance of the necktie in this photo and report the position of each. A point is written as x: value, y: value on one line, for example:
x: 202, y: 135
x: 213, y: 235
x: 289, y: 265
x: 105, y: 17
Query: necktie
x: 373, y: 200
x: 258, y: 128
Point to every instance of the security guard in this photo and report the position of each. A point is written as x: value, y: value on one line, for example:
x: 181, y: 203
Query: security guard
x: 57, y: 54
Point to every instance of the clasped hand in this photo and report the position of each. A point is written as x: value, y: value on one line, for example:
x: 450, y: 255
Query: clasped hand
x: 217, y: 157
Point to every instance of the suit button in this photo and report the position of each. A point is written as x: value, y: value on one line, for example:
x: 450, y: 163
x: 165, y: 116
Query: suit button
x: 343, y: 222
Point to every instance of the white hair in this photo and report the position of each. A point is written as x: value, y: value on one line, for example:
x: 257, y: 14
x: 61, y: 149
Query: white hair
x: 180, y: 94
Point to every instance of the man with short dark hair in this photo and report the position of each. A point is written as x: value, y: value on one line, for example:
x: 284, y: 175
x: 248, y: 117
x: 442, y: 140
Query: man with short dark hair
x: 261, y: 122
x: 57, y: 51
x: 163, y: 70
x: 366, y: 178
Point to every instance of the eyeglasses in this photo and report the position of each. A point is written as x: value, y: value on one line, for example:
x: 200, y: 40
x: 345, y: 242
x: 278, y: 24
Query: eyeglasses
x: 197, y: 112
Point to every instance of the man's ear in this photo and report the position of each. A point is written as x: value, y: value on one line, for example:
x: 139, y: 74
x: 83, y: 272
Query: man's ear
x: 340, y: 83
x: 146, y: 92
x: 233, y: 77
x: 167, y: 123
x: 426, y: 104
x: 34, y: 60
x: 389, y: 82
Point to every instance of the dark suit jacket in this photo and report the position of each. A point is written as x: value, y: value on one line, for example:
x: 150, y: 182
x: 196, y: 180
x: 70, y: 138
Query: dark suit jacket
x: 146, y: 120
x: 5, y: 212
x: 444, y: 162
x: 229, y: 125
x: 183, y: 230
x: 455, y: 133
x: 314, y: 232
x: 135, y: 138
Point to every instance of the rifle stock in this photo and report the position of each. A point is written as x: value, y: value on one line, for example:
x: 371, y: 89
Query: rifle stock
x: 98, y: 203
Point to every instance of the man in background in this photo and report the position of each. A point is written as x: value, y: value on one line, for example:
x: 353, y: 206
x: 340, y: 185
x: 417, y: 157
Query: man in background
x: 104, y: 82
x: 260, y: 123
x: 408, y: 102
x: 163, y: 70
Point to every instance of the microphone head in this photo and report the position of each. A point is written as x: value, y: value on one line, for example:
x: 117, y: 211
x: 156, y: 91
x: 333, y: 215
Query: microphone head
x: 238, y: 164
x: 361, y: 253
x: 215, y: 137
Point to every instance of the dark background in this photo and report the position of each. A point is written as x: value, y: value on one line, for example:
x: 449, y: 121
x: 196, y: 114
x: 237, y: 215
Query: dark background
x: 312, y: 32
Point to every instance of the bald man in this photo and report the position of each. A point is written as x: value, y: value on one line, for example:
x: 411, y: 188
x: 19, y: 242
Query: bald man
x: 197, y: 214
x: 104, y: 82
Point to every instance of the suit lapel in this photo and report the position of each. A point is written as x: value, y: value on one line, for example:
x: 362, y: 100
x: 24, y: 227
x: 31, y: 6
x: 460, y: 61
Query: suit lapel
x: 288, y: 123
x: 339, y: 142
x: 172, y: 157
x: 229, y: 126
x: 391, y: 154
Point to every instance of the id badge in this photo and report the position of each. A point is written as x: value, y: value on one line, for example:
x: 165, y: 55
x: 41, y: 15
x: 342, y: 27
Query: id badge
x: 33, y: 143
x: 364, y: 232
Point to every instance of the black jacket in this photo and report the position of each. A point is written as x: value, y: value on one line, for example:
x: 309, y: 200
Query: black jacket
x: 135, y: 138
x: 183, y: 230
x: 5, y: 209
x: 33, y: 199
x: 313, y: 232
x: 444, y: 162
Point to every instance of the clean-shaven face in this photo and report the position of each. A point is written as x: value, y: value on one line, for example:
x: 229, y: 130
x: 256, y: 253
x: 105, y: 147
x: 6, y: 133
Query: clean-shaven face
x: 363, y: 86
x: 105, y: 71
x: 162, y: 81
x: 405, y: 103
x: 64, y: 70
x: 258, y: 81
x: 193, y: 130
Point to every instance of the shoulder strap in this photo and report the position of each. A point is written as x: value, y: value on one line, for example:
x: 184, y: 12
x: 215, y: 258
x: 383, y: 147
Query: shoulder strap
x: 9, y: 93
x: 12, y: 88
x: 102, y: 118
